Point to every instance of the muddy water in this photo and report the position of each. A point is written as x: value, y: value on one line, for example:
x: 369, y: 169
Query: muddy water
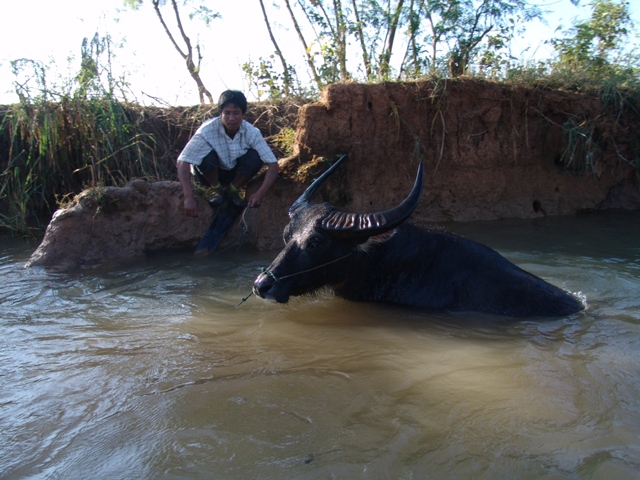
x: 150, y: 370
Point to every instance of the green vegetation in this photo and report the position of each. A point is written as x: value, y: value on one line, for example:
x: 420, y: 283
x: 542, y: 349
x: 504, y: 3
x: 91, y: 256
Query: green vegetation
x: 594, y: 56
x: 65, y: 146
x: 357, y: 40
x: 59, y: 140
x: 284, y: 139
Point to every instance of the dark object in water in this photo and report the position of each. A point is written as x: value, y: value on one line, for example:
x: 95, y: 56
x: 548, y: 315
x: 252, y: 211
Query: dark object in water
x: 225, y: 215
x: 379, y: 257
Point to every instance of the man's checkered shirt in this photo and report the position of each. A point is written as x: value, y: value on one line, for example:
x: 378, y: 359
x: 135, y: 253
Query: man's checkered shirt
x: 211, y: 136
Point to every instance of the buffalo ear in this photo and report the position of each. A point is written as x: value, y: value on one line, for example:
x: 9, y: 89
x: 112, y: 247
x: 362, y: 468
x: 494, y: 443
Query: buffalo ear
x: 377, y: 240
x: 383, y: 237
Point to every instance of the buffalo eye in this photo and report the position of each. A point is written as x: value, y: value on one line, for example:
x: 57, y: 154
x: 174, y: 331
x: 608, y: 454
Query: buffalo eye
x: 314, y: 243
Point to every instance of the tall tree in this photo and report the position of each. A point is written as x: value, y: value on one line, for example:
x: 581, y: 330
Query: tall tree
x: 456, y: 28
x: 444, y: 35
x: 285, y: 67
x: 359, y: 31
x: 341, y: 38
x: 329, y: 23
x: 591, y: 43
x: 413, y: 61
x: 182, y: 43
x: 307, y: 50
x: 392, y: 23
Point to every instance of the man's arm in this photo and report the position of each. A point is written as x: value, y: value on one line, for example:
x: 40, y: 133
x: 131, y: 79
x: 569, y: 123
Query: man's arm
x: 184, y: 176
x: 269, y: 178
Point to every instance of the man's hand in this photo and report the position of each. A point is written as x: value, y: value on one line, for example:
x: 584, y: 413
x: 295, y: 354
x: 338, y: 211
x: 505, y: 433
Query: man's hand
x: 256, y: 199
x: 184, y: 176
x: 190, y: 207
x: 270, y: 176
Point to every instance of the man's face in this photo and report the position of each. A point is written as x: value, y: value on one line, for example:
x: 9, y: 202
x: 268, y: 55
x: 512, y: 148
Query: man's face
x: 231, y: 116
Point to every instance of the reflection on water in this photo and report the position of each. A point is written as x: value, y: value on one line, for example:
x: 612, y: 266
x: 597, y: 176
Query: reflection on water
x: 150, y: 370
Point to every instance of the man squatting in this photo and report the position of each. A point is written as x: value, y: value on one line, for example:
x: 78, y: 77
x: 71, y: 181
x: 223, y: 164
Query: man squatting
x: 224, y: 154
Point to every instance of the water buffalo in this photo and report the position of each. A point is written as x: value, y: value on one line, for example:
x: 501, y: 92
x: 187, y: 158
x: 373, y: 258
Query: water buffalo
x: 378, y: 257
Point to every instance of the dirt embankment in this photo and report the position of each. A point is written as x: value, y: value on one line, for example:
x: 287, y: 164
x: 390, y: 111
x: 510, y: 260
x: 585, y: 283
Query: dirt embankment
x: 490, y: 152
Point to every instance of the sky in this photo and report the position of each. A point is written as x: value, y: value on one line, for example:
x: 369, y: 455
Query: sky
x: 52, y: 32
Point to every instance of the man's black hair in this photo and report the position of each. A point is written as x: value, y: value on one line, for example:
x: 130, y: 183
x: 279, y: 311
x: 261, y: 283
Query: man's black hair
x: 233, y: 96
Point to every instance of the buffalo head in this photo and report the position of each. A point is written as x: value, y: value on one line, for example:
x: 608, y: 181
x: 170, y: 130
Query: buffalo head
x: 320, y: 242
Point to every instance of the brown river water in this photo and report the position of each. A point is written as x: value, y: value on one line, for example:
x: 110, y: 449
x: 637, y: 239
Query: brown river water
x: 150, y: 370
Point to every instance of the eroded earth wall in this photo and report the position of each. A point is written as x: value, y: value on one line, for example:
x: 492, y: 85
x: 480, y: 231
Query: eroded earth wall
x: 490, y: 151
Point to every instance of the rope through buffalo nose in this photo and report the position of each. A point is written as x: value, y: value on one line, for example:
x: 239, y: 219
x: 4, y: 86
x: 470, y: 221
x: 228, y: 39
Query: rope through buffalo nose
x: 271, y: 274
x: 277, y: 280
x: 266, y: 271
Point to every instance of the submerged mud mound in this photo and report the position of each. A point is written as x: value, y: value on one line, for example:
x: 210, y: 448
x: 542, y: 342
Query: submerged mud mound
x: 115, y: 223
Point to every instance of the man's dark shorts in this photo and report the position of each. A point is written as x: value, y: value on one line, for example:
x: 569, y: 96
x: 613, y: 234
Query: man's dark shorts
x: 248, y: 165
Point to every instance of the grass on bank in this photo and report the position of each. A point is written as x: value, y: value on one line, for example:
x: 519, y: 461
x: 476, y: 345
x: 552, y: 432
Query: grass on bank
x: 50, y: 151
x: 57, y: 148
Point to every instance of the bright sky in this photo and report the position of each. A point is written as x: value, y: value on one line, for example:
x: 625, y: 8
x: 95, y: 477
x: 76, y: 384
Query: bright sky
x: 52, y: 31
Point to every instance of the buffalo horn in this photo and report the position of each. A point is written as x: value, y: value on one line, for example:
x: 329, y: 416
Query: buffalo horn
x: 364, y: 225
x: 303, y: 200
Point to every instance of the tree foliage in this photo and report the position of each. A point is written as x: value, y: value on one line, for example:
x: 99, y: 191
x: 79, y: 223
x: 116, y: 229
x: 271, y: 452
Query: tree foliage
x: 597, y: 43
x: 394, y: 39
x: 387, y: 40
x: 34, y: 81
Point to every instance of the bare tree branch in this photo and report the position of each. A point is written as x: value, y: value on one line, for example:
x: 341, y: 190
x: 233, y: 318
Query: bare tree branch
x: 285, y: 67
x: 194, y: 70
x: 385, y: 56
x: 363, y: 45
x: 307, y: 52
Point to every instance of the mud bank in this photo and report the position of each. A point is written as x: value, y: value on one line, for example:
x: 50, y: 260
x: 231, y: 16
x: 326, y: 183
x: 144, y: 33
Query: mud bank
x: 490, y: 151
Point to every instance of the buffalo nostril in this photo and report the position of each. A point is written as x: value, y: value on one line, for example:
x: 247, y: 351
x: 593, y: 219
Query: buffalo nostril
x: 262, y: 284
x: 264, y: 280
